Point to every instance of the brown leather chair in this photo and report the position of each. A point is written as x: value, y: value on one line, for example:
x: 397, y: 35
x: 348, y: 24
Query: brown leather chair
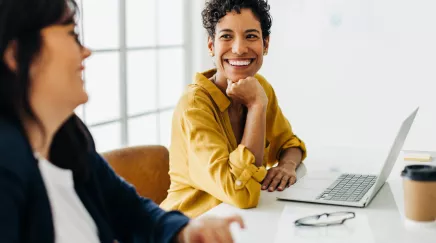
x: 145, y: 167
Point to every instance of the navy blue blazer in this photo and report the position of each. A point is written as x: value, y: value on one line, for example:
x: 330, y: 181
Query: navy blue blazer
x: 118, y: 211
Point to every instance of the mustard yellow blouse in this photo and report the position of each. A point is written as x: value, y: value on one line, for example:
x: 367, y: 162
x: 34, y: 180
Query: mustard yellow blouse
x: 207, y: 166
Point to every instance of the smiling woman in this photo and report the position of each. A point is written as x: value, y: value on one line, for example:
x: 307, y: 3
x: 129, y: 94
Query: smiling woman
x: 238, y: 60
x: 228, y: 126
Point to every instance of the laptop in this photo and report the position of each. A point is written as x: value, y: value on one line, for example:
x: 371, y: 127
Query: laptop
x: 355, y: 190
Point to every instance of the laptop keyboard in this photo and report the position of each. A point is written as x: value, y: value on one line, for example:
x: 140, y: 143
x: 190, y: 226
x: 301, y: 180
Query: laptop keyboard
x: 348, y: 187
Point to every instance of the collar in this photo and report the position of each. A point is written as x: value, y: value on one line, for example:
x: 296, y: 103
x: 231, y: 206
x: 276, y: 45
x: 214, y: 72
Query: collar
x: 202, y: 80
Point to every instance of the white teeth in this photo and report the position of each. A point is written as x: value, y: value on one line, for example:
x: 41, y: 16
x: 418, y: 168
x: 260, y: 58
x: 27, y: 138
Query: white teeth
x: 239, y: 63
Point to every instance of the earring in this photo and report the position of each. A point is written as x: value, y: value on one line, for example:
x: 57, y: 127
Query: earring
x: 265, y: 52
x: 211, y: 54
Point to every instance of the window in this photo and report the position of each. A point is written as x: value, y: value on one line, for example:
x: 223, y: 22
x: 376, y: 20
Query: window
x: 137, y: 71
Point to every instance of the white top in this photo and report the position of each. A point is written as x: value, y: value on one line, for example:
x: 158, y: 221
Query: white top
x: 72, y: 222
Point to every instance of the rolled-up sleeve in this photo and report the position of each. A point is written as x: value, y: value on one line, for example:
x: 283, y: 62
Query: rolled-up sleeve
x: 229, y: 175
x: 244, y: 167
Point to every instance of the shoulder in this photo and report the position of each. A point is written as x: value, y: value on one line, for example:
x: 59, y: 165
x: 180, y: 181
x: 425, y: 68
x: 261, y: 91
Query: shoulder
x: 269, y: 90
x: 194, y: 97
x: 16, y: 156
x: 13, y: 143
x: 9, y: 131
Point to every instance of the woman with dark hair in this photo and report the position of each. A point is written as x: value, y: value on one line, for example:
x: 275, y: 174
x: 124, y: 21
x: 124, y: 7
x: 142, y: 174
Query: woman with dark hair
x: 228, y: 126
x: 54, y: 187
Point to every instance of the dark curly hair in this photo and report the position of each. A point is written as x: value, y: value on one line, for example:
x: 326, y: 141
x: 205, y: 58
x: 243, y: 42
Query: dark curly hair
x: 216, y: 9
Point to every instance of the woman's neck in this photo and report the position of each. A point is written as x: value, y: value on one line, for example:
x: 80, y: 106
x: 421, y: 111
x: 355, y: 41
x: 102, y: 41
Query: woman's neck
x: 40, y: 139
x: 221, y: 82
x: 41, y: 134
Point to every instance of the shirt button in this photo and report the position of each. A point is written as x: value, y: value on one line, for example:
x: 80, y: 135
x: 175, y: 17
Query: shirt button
x: 238, y: 183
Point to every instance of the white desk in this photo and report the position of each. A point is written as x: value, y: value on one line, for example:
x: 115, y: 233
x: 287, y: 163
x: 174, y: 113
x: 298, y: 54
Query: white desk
x: 381, y: 221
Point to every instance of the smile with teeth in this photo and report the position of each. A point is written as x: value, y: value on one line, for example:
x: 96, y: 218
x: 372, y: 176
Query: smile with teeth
x: 239, y: 63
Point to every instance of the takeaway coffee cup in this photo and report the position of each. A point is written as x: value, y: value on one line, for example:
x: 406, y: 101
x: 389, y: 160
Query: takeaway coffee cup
x: 420, y: 193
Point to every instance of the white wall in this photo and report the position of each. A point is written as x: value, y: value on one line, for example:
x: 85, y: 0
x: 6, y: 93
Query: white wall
x: 347, y: 72
x: 200, y: 54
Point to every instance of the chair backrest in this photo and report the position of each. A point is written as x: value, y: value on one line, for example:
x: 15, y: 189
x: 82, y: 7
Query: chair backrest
x: 145, y: 167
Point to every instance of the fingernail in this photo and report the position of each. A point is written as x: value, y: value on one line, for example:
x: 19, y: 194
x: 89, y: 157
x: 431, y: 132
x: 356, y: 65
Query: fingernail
x: 271, y: 189
x: 263, y: 187
x: 280, y: 188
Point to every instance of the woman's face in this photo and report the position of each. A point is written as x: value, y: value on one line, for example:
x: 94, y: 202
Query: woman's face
x: 238, y: 45
x: 56, y: 73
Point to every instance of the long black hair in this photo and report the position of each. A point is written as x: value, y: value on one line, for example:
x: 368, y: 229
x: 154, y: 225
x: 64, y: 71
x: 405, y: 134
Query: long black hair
x: 21, y: 22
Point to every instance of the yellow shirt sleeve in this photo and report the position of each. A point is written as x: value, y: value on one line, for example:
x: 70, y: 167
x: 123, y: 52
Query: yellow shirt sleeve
x: 230, y: 176
x: 279, y: 132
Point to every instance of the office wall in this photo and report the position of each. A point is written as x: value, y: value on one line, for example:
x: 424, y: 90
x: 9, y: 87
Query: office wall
x: 347, y: 72
x: 200, y: 55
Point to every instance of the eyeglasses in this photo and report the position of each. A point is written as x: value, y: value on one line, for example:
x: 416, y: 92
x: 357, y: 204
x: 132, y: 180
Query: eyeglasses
x: 325, y: 219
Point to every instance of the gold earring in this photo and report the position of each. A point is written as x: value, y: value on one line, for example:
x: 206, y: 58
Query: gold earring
x: 265, y: 52
x: 211, y: 54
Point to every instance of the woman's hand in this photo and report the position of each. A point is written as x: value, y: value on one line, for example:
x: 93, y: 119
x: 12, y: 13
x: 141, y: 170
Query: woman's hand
x: 247, y: 91
x: 209, y: 229
x: 284, y: 174
x: 280, y: 177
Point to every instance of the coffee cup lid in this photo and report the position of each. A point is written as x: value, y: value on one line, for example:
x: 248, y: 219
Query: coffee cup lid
x: 419, y: 172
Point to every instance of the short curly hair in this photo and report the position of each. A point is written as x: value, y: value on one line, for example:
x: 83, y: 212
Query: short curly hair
x: 216, y: 9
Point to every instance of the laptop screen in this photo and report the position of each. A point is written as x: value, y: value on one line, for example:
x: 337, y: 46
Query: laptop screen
x: 394, y: 153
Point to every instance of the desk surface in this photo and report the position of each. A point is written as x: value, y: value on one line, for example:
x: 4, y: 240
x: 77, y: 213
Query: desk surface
x: 382, y: 221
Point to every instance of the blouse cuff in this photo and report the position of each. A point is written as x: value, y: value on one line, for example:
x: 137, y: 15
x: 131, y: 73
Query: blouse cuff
x: 244, y: 159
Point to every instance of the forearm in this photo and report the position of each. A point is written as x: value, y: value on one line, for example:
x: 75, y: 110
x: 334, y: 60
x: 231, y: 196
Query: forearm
x: 291, y: 156
x: 131, y: 214
x: 254, y: 132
